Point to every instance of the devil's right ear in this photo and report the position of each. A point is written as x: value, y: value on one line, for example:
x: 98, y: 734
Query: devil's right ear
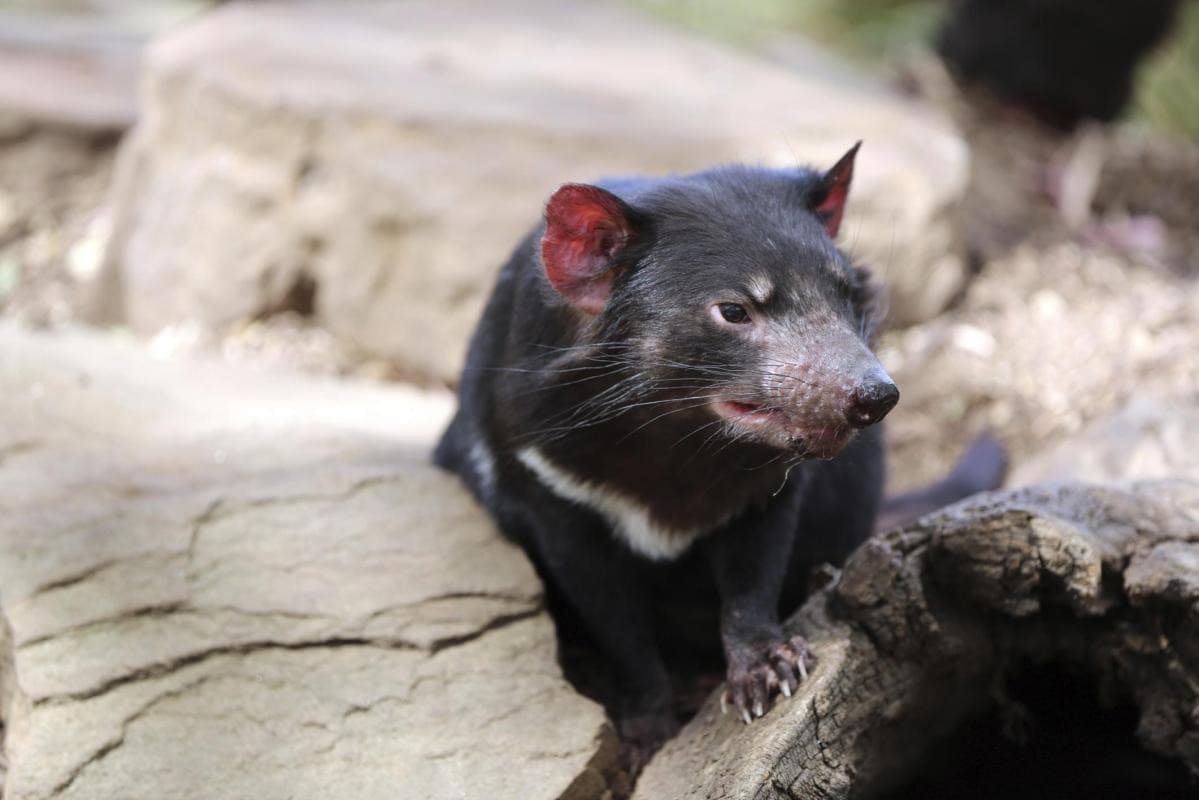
x: 586, y: 231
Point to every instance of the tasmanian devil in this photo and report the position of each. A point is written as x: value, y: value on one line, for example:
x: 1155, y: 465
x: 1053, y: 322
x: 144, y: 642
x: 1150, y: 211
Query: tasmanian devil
x: 675, y: 368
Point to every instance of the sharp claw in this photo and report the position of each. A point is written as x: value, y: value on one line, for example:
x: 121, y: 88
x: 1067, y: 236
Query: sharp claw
x: 745, y: 716
x: 783, y: 673
x: 724, y: 703
x: 758, y: 710
x: 803, y: 668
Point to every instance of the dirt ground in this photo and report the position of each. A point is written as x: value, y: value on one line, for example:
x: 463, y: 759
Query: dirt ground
x: 1065, y: 321
x: 1047, y: 339
x: 1056, y: 330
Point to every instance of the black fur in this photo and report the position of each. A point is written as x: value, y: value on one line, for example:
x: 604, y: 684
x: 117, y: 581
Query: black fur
x: 621, y: 400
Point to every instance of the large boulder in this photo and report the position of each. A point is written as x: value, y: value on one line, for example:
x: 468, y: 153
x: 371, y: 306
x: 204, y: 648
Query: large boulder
x: 225, y: 583
x: 376, y: 162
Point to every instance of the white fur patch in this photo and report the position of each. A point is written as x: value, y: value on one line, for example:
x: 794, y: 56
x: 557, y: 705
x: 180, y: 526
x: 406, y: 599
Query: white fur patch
x: 484, y: 464
x: 628, y: 518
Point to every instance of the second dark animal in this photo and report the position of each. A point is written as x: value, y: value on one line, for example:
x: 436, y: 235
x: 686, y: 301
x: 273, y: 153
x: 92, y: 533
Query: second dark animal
x: 1063, y: 61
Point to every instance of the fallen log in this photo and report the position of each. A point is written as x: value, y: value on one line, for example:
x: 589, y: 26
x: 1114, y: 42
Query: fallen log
x: 1037, y: 642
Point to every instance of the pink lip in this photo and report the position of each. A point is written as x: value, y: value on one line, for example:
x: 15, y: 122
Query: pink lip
x: 748, y: 412
x: 819, y: 443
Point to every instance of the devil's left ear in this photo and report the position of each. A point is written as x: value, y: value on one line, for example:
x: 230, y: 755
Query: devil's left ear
x: 828, y: 200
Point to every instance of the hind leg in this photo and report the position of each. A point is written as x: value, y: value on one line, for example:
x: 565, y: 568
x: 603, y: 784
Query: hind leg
x: 607, y: 589
x: 981, y: 468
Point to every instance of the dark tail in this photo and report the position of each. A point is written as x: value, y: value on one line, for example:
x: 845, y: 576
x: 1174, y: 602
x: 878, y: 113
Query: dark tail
x: 982, y: 467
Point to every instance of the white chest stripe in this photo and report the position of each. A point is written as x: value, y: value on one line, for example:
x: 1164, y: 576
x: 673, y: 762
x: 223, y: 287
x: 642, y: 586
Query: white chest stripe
x: 628, y: 518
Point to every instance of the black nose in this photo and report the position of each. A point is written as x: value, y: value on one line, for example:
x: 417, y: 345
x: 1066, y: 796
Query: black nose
x: 871, y: 401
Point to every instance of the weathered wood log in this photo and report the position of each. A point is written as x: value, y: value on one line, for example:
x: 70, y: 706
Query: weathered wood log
x: 1055, y: 615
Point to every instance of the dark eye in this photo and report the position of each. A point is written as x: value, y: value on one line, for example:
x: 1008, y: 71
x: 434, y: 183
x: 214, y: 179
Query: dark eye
x: 733, y: 313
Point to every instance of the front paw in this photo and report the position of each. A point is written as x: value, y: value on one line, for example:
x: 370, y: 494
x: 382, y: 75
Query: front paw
x: 758, y: 671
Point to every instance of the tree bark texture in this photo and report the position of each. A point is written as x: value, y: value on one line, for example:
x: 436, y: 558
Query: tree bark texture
x: 927, y: 627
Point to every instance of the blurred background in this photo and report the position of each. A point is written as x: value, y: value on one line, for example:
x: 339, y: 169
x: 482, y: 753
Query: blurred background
x: 882, y: 35
x: 243, y: 245
x: 330, y: 186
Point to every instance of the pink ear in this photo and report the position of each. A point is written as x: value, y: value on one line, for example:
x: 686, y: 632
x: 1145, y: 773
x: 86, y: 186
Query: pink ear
x: 830, y: 205
x: 586, y: 227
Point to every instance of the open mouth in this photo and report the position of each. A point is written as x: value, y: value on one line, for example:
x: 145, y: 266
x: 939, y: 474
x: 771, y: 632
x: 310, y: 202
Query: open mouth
x: 777, y: 427
x: 750, y: 413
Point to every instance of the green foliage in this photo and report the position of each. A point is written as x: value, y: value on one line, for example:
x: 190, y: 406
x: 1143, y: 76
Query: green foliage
x: 1168, y: 87
x: 874, y: 31
x: 867, y: 29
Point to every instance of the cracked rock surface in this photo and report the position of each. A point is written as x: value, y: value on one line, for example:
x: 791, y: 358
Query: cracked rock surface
x: 223, y: 583
x: 927, y: 621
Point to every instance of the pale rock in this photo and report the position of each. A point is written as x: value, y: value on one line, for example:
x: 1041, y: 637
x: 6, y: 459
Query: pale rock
x: 394, y: 154
x: 223, y: 582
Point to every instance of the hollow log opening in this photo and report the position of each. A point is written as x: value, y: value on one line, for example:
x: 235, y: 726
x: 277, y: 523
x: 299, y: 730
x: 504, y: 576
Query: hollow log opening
x: 1053, y: 734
